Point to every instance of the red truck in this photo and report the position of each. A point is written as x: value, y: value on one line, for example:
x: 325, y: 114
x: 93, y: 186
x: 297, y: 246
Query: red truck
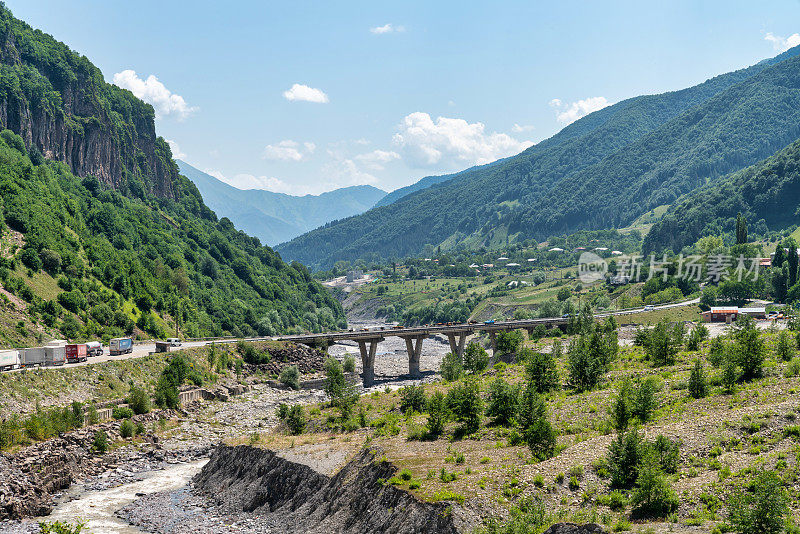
x: 76, y: 353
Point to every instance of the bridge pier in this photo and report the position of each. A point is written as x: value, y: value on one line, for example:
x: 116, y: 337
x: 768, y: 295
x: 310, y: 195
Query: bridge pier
x: 493, y: 341
x: 457, y: 346
x: 414, y: 347
x: 368, y: 359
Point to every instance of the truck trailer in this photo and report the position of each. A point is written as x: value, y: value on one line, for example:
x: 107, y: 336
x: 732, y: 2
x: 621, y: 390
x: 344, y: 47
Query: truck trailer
x: 120, y: 345
x: 94, y: 348
x: 10, y: 359
x: 33, y: 356
x: 76, y: 352
x: 55, y: 352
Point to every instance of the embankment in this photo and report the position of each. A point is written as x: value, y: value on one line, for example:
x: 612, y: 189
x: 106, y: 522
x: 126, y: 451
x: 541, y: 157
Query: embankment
x: 356, y: 500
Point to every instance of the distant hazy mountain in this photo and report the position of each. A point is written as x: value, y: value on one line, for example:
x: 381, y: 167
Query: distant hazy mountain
x: 425, y: 183
x: 277, y: 217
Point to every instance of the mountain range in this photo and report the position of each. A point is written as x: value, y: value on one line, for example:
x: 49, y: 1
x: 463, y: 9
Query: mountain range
x: 602, y: 171
x: 278, y: 217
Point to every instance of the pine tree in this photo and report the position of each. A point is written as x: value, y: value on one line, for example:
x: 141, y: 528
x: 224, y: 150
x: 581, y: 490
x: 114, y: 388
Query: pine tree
x: 741, y: 229
x: 791, y: 260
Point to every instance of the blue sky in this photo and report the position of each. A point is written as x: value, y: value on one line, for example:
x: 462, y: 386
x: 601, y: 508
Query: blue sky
x: 388, y: 92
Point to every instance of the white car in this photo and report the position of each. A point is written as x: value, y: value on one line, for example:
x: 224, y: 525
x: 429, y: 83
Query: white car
x: 174, y: 342
x: 649, y: 307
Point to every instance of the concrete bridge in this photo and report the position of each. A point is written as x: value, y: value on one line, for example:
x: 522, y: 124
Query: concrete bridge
x: 368, y: 339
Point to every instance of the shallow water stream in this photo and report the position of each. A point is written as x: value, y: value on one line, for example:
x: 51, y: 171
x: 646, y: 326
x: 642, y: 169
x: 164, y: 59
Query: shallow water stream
x: 97, y: 509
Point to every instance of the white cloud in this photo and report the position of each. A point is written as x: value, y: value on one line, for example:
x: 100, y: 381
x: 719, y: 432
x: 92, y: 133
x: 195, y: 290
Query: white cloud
x: 176, y: 150
x: 377, y: 159
x: 311, y: 147
x: 569, y: 113
x: 519, y: 128
x: 303, y: 93
x: 782, y: 44
x: 286, y: 150
x: 387, y: 28
x: 165, y: 102
x: 451, y: 143
x: 344, y: 173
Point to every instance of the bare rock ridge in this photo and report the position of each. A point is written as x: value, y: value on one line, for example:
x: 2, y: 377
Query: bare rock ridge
x: 58, y: 102
x: 356, y: 500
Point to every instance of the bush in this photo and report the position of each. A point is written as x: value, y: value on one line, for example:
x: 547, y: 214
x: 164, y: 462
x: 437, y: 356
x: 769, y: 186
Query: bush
x: 451, y: 367
x: 121, y: 412
x: 343, y: 394
x: 666, y: 452
x: 698, y: 387
x: 100, y: 443
x: 536, y: 429
x: 645, y: 401
x: 464, y: 402
x: 653, y: 496
x: 296, y: 419
x: 509, y: 342
x: 698, y: 334
x: 412, y: 398
x: 349, y: 364
x: 716, y: 351
x: 761, y: 508
x: 749, y: 351
x: 290, y: 376
x: 126, y: 429
x: 542, y: 370
x: 589, y: 357
x: 624, y: 455
x: 138, y: 400
x: 476, y: 359
x: 57, y: 527
x: 664, y: 342
x: 784, y: 349
x: 503, y: 402
x: 437, y: 413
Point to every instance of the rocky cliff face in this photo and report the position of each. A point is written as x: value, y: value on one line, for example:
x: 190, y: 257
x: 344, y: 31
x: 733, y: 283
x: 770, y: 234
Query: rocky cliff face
x: 58, y: 102
x: 355, y: 501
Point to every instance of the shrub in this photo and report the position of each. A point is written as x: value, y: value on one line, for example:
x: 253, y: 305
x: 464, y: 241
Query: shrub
x: 343, y: 393
x: 138, y: 400
x: 121, y: 412
x: 645, y: 400
x: 653, y: 496
x: 589, y: 357
x: 698, y: 387
x: 126, y: 429
x: 283, y: 411
x: 541, y: 370
x: 412, y: 398
x: 349, y: 364
x: 476, y: 359
x: 464, y: 402
x: 761, y: 508
x: 749, y: 351
x: 783, y: 348
x: 503, y: 401
x: 624, y: 455
x: 296, y: 419
x: 139, y: 428
x: 730, y: 375
x: 509, y: 342
x: 58, y: 527
x: 698, y: 334
x: 451, y: 367
x: 666, y: 452
x: 664, y: 343
x: 100, y: 443
x: 290, y: 376
x: 536, y: 429
x: 437, y: 413
x: 716, y: 351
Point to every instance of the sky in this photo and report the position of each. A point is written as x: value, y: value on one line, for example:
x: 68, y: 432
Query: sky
x: 304, y: 97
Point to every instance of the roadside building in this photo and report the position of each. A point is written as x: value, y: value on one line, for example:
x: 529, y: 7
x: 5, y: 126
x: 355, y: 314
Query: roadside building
x: 721, y: 314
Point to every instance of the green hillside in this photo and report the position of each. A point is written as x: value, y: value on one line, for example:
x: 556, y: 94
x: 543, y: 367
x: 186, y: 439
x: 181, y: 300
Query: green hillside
x: 101, y: 235
x: 767, y: 193
x: 604, y: 170
x: 277, y: 217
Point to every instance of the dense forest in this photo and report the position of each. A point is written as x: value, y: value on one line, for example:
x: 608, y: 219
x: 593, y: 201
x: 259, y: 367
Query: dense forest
x: 767, y: 194
x: 120, y: 260
x: 602, y: 171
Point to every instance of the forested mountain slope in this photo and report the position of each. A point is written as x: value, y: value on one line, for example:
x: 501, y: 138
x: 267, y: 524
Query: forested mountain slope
x: 277, y: 217
x: 129, y: 246
x: 61, y: 106
x: 601, y: 171
x: 767, y: 193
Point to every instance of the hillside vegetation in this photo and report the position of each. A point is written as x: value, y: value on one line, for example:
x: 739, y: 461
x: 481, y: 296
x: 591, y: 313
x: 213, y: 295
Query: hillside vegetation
x: 767, y: 193
x: 604, y: 170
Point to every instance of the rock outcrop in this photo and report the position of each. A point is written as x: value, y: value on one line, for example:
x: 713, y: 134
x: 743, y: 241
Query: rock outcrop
x: 58, y: 102
x: 354, y: 501
x: 572, y: 528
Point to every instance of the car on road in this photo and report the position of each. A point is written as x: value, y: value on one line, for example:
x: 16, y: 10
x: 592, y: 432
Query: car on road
x: 649, y: 307
x: 174, y: 342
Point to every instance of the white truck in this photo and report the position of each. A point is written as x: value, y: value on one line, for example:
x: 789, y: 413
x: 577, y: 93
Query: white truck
x: 33, y: 356
x: 94, y: 348
x: 10, y: 359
